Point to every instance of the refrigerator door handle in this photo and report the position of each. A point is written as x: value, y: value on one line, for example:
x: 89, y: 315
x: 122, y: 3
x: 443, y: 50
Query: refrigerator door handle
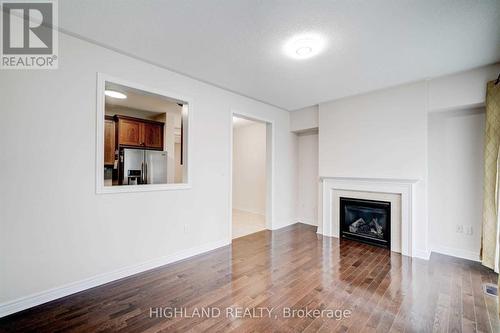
x: 142, y: 173
x: 146, y: 171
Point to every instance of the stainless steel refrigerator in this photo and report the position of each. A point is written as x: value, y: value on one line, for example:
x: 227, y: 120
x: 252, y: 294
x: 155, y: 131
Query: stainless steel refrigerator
x: 144, y: 167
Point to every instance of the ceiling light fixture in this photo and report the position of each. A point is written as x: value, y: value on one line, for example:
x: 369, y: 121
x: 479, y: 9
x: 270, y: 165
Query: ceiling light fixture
x: 115, y: 94
x: 304, y: 46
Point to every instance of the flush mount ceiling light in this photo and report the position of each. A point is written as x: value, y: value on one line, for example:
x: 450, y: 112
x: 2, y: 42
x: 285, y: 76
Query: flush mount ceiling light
x: 115, y: 94
x: 304, y: 46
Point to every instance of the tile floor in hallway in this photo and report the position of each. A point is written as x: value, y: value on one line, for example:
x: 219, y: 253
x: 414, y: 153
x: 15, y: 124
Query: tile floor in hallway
x: 245, y: 223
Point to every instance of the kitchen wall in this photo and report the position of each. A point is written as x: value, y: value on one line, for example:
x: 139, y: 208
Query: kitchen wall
x: 114, y: 110
x: 249, y: 168
x: 178, y: 165
x: 53, y: 225
x: 308, y: 183
x: 172, y: 120
x: 456, y: 162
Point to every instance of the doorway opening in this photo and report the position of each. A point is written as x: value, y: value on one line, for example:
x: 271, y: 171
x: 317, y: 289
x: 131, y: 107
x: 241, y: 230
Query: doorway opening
x: 251, y: 176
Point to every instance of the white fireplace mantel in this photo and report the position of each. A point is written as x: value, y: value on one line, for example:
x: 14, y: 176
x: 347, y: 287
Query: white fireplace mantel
x: 403, y: 187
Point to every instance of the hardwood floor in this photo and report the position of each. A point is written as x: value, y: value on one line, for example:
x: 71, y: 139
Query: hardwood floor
x: 292, y: 268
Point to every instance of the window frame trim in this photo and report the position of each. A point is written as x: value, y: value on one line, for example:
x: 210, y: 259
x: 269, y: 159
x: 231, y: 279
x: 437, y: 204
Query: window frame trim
x: 102, y: 78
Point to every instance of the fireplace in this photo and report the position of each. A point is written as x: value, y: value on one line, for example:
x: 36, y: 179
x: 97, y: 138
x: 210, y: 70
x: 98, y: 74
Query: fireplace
x: 366, y: 221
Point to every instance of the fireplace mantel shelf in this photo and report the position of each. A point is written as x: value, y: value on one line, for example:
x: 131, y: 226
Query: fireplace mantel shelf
x: 380, y: 180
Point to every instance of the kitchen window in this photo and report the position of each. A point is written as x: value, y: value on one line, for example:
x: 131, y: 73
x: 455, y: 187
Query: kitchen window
x: 143, y: 136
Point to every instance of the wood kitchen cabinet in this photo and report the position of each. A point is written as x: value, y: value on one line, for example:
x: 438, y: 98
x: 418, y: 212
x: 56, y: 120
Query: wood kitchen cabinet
x: 153, y: 135
x: 109, y: 141
x: 129, y: 132
x: 139, y: 133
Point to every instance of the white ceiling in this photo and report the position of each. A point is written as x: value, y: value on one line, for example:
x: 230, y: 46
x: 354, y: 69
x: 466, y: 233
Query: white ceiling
x: 237, y: 44
x: 141, y: 100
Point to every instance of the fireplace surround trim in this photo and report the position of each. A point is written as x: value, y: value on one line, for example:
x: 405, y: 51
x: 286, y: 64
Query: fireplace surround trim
x: 403, y: 187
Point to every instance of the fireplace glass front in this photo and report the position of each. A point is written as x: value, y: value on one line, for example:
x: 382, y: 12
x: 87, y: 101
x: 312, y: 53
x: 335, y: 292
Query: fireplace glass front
x: 366, y: 221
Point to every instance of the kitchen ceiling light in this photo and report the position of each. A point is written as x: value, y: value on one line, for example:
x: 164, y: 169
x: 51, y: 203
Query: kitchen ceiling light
x: 304, y: 46
x: 115, y: 94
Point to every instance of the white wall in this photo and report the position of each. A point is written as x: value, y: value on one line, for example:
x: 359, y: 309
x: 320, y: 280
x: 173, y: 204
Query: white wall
x: 55, y: 230
x: 308, y: 183
x: 462, y: 90
x: 304, y: 119
x: 456, y: 161
x: 379, y: 135
x: 249, y: 168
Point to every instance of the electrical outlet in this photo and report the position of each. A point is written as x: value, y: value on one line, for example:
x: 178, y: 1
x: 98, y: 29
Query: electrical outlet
x: 469, y: 230
x: 460, y: 229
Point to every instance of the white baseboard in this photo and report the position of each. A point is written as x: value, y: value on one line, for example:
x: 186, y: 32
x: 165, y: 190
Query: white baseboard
x: 279, y: 225
x: 421, y: 254
x: 307, y: 221
x: 74, y: 287
x: 454, y: 252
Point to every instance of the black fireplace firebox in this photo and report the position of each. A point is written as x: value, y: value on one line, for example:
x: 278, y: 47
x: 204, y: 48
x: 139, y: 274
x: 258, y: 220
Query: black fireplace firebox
x: 366, y: 221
